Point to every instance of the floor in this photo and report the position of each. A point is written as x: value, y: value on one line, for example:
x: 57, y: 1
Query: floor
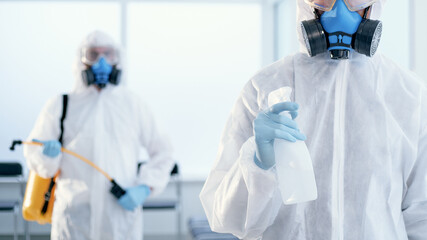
x: 145, y: 238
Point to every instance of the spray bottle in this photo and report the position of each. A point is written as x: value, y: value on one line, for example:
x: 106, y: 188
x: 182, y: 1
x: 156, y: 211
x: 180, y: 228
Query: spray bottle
x: 293, y: 162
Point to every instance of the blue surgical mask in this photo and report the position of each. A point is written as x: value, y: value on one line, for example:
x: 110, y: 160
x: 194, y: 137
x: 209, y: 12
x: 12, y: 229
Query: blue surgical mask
x: 102, y: 71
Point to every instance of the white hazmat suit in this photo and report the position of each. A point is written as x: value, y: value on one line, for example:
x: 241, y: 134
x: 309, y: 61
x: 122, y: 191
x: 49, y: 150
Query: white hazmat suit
x: 109, y: 128
x: 366, y: 125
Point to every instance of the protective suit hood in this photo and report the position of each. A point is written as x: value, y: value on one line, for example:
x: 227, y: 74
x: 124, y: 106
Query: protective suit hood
x: 94, y: 39
x: 305, y: 12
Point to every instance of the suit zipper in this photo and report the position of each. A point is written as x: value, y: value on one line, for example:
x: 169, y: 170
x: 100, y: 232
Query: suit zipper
x: 339, y: 150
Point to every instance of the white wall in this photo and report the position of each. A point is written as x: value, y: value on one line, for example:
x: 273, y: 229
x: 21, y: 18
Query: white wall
x: 420, y: 47
x: 396, y: 32
x: 286, y: 32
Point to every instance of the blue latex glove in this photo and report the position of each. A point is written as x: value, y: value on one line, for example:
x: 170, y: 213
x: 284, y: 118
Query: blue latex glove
x: 269, y: 125
x: 134, y: 197
x: 51, y: 148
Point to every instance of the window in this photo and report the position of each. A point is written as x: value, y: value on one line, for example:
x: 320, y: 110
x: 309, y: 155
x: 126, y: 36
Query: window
x: 286, y: 33
x: 38, y: 45
x: 395, y: 37
x: 189, y: 61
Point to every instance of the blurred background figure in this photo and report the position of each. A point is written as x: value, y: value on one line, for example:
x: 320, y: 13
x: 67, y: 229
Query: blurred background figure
x: 108, y: 124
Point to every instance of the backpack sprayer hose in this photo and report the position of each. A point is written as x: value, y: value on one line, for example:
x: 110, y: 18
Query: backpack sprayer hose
x: 116, y: 190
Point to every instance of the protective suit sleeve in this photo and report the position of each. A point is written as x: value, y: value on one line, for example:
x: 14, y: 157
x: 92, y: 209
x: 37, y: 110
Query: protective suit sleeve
x: 239, y: 197
x: 156, y: 172
x: 415, y: 201
x: 46, y: 128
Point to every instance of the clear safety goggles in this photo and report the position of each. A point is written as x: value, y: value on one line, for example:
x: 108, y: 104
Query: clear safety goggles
x: 91, y: 55
x: 327, y: 5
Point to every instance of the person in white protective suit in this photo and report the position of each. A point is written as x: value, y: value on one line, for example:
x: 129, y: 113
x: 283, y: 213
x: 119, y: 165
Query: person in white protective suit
x: 365, y: 122
x: 109, y: 125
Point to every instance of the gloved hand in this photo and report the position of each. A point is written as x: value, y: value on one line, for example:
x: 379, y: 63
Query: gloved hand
x: 269, y: 125
x: 134, y: 197
x: 51, y: 148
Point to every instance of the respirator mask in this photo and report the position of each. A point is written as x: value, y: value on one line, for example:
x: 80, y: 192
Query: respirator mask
x: 341, y: 29
x: 102, y: 66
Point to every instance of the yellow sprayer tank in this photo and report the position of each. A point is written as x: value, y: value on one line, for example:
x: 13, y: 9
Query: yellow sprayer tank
x: 35, y: 198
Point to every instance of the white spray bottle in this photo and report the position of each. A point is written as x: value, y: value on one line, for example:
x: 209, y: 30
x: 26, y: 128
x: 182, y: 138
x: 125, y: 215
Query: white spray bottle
x: 293, y: 162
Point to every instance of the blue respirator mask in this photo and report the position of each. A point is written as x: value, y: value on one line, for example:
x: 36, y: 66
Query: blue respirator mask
x: 101, y: 70
x: 340, y: 31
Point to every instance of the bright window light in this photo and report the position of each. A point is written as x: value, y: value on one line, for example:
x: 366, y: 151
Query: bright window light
x: 189, y: 62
